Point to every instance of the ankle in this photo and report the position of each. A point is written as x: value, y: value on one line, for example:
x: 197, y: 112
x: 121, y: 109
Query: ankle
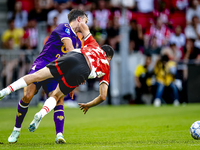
x: 17, y: 129
x: 59, y: 134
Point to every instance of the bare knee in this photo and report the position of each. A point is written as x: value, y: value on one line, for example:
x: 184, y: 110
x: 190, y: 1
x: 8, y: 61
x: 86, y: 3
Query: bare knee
x: 27, y: 98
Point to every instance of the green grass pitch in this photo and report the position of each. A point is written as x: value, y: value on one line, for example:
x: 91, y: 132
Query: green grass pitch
x: 108, y: 127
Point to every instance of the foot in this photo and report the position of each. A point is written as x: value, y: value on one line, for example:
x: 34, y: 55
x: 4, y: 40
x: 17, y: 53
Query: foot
x: 2, y: 94
x: 35, y: 123
x: 176, y: 103
x: 14, y: 136
x: 157, y: 102
x: 60, y: 139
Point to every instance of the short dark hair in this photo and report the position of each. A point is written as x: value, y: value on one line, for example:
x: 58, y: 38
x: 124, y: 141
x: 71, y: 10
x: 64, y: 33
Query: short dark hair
x: 108, y: 50
x: 148, y: 54
x: 75, y: 13
x: 11, y: 20
x: 164, y: 58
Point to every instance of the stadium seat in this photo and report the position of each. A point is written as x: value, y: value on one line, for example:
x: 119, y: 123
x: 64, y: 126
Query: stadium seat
x: 143, y: 19
x: 178, y: 18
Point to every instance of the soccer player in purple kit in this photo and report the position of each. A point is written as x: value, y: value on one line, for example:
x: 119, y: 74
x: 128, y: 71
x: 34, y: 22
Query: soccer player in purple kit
x: 62, y: 40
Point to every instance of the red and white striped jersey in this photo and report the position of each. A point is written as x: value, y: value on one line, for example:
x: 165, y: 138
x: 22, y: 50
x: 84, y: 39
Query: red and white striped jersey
x: 161, y: 34
x: 97, y: 58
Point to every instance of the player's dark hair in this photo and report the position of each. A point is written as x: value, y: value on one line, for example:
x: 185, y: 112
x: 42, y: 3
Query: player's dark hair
x: 108, y: 50
x: 75, y: 13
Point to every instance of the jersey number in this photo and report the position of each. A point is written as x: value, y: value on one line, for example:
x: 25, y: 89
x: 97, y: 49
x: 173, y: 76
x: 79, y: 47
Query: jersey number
x: 63, y: 49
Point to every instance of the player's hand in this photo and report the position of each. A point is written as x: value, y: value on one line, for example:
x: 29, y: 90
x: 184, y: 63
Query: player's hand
x: 71, y: 94
x: 84, y: 29
x: 83, y: 107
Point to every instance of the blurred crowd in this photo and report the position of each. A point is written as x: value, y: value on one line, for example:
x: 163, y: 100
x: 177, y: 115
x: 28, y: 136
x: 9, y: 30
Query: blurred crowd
x: 166, y: 32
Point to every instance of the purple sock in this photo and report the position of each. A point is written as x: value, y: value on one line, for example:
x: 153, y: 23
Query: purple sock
x: 21, y: 112
x: 59, y: 118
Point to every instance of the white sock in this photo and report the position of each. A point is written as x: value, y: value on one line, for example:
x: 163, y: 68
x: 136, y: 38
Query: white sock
x: 59, y: 134
x: 17, y: 129
x: 20, y: 83
x: 49, y: 104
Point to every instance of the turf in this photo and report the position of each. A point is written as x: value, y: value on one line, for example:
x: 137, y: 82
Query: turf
x: 108, y: 127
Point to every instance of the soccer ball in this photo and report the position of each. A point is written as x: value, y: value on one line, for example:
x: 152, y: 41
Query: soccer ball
x: 195, y: 130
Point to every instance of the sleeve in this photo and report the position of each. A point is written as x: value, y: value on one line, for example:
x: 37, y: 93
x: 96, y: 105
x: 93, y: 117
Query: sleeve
x: 5, y: 36
x: 90, y: 40
x: 188, y: 15
x: 105, y: 79
x: 138, y: 71
x: 63, y: 31
x: 172, y: 67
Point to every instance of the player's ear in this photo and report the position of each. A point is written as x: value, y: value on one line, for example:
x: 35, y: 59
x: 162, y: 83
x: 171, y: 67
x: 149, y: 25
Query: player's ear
x: 79, y: 19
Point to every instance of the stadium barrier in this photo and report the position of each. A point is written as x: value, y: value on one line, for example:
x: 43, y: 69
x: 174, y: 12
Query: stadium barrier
x: 13, y: 65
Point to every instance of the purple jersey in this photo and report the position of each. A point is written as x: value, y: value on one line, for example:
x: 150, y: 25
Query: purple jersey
x: 53, y: 49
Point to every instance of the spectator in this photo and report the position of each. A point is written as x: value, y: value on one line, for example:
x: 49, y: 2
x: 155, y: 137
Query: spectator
x: 144, y: 79
x: 9, y: 63
x: 152, y: 48
x: 178, y: 37
x: 145, y: 6
x: 29, y: 40
x: 160, y: 31
x: 172, y: 52
x: 60, y: 12
x: 193, y: 31
x: 135, y: 36
x: 165, y: 71
x: 191, y: 53
x: 117, y: 12
x: 12, y: 33
x: 163, y: 12
x: 101, y: 14
x: 20, y: 16
x: 99, y: 34
x: 9, y: 68
x: 193, y: 10
x: 38, y: 13
x: 113, y: 37
x: 127, y: 3
x: 27, y: 5
x: 46, y: 4
x: 179, y: 4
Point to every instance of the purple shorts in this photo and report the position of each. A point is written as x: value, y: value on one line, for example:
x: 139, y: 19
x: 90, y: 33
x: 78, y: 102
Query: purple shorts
x: 48, y: 85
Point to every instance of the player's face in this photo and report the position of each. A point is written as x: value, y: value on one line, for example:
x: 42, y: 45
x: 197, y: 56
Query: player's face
x: 83, y: 19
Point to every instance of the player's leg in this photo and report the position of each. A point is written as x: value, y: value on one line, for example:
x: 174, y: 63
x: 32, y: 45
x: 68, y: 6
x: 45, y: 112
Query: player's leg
x: 49, y: 86
x: 59, y: 118
x: 38, y: 76
x: 22, y: 109
x: 49, y: 104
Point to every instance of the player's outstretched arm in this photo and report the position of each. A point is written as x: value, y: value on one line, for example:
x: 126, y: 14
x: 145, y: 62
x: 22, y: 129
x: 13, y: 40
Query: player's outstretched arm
x: 103, y: 88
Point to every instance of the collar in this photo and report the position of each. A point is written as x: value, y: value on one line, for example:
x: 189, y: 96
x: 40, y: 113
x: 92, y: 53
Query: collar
x: 72, y: 30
